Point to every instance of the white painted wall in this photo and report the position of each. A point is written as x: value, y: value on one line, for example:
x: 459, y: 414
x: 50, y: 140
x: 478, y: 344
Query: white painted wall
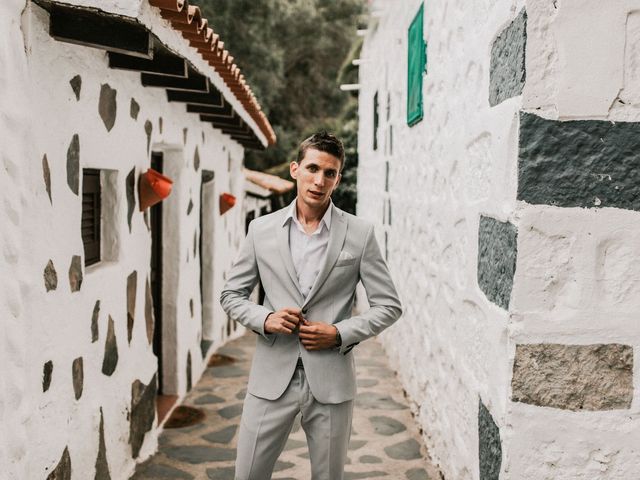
x: 577, y: 276
x: 40, y: 115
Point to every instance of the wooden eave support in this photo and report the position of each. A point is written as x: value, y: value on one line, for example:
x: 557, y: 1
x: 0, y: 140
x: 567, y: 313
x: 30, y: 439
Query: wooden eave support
x: 97, y: 30
x: 162, y: 63
x: 213, y: 98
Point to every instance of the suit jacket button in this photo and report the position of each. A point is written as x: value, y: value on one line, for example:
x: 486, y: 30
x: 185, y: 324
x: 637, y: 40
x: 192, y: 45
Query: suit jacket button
x: 304, y: 311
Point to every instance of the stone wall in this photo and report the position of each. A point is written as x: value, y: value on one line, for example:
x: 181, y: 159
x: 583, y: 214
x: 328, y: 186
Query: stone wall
x: 79, y: 373
x: 514, y: 233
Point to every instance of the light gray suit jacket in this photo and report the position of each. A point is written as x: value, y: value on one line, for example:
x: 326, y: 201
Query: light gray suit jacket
x: 352, y: 255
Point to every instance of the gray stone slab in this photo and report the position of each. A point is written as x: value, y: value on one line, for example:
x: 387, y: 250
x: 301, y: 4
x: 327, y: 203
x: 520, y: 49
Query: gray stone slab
x: 574, y: 377
x: 158, y: 471
x: 490, y: 447
x: 75, y: 273
x: 221, y: 436
x: 207, y: 399
x: 406, y: 450
x: 195, y: 454
x: 370, y: 474
x: 148, y: 128
x: 221, y: 473
x: 228, y: 371
x: 386, y: 426
x: 579, y: 163
x: 47, y: 371
x: 132, y: 288
x: 356, y: 444
x: 63, y: 468
x: 241, y: 394
x: 280, y: 465
x: 77, y: 373
x: 102, y: 465
x: 110, y: 360
x: 507, y: 72
x: 196, y: 159
x: 369, y: 459
x: 148, y: 311
x: 143, y: 412
x: 94, y: 322
x: 73, y: 164
x: 379, y: 401
x: 76, y: 85
x: 46, y: 174
x: 50, y: 277
x: 417, y: 474
x: 231, y: 411
x: 107, y: 106
x: 497, y: 252
x: 134, y: 109
x: 131, y: 195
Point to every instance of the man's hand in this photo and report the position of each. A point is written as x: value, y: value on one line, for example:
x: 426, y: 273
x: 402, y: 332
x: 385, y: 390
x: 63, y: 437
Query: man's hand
x: 318, y: 335
x: 283, y: 321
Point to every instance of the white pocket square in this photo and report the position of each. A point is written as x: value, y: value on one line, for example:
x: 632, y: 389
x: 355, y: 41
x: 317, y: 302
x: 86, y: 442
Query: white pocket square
x: 345, y: 258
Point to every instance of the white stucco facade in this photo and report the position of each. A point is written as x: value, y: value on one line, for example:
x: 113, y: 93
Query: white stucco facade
x: 40, y: 117
x: 577, y: 272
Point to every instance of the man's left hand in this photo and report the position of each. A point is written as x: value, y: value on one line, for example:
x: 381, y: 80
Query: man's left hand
x: 317, y: 335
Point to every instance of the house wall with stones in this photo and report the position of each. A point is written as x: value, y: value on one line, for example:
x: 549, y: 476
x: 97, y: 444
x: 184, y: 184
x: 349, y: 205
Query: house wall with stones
x: 509, y: 217
x: 79, y: 376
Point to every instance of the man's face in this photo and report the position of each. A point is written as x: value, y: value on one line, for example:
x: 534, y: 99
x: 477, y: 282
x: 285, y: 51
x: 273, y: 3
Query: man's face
x: 317, y: 176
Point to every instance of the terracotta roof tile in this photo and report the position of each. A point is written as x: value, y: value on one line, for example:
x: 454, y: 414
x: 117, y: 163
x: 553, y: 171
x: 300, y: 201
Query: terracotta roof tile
x: 188, y: 20
x: 272, y: 183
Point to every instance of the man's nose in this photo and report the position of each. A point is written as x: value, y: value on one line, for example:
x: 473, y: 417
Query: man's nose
x: 318, y: 179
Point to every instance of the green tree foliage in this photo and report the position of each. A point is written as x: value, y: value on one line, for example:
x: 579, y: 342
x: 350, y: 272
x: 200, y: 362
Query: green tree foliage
x: 295, y: 54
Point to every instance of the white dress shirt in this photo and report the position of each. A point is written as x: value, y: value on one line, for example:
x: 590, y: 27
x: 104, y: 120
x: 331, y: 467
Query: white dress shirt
x: 308, y: 252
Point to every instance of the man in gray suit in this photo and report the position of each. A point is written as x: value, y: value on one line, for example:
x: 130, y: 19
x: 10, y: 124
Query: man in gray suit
x: 309, y: 258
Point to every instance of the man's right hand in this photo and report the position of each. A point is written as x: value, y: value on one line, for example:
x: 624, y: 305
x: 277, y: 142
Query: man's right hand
x: 283, y: 321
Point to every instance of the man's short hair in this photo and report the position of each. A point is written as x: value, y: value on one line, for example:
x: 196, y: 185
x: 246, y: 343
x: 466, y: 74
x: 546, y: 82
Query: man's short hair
x: 324, y: 142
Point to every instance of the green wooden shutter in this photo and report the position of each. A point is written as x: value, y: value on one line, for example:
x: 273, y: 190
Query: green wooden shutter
x: 416, y: 65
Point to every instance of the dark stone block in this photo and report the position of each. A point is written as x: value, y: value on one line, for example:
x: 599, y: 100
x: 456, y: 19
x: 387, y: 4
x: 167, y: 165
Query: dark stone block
x: 185, y: 131
x: 94, y: 322
x: 50, y: 277
x: 281, y: 465
x: 107, y: 106
x: 131, y: 195
x: 134, y: 109
x: 579, y: 163
x: 508, y: 73
x: 407, y: 450
x: 497, y: 252
x: 387, y: 425
x: 160, y: 125
x: 63, y: 469
x: 191, y: 306
x: 189, y: 384
x: 490, y: 447
x: 143, y: 412
x: 110, y: 360
x: 196, y: 454
x: 231, y: 411
x: 417, y: 474
x: 196, y: 160
x: 132, y: 287
x: 73, y: 164
x: 221, y: 473
x: 76, y: 85
x: 148, y: 128
x: 46, y: 375
x: 369, y: 459
x: 356, y: 444
x: 46, y: 173
x: 102, y: 465
x: 195, y: 244
x: 75, y: 273
x: 204, y: 346
x: 208, y: 398
x: 359, y: 475
x: 77, y: 372
x: 148, y: 311
x: 190, y: 207
x: 378, y: 401
x: 162, y: 472
x: 221, y: 436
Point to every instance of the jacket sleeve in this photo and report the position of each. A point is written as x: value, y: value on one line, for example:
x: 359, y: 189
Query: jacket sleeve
x: 385, y: 307
x: 241, y: 280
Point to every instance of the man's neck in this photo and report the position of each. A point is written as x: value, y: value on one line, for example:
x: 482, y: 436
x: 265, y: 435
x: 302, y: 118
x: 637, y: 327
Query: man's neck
x: 309, y: 216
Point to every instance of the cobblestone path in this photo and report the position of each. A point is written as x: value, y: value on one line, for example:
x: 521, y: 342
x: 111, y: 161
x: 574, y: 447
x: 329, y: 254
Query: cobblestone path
x: 385, y: 442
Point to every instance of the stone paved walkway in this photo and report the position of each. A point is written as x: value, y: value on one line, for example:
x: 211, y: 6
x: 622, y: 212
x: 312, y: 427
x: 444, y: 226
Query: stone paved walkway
x: 385, y: 442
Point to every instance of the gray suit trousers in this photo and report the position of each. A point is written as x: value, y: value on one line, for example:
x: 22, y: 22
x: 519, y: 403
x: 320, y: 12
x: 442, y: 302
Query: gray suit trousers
x: 266, y: 424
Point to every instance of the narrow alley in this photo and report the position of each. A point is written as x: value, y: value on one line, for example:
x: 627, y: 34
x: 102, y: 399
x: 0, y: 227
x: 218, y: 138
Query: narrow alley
x: 385, y: 440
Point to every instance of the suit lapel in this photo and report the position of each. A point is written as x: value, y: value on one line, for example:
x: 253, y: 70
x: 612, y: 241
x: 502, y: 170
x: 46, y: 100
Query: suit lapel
x: 282, y: 237
x: 336, y: 240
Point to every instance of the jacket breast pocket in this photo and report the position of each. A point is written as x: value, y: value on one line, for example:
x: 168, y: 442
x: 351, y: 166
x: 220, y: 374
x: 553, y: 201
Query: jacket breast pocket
x: 345, y: 259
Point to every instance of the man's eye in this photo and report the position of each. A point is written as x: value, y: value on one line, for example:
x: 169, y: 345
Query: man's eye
x: 331, y: 174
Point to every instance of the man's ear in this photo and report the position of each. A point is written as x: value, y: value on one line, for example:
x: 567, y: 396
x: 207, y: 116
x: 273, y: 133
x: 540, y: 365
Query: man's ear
x: 293, y: 169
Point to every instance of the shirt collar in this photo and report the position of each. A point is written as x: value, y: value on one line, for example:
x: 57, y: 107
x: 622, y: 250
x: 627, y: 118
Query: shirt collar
x: 292, y: 214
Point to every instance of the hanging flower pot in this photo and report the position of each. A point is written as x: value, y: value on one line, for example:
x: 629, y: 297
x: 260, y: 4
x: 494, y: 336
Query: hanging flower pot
x: 152, y: 188
x: 226, y: 202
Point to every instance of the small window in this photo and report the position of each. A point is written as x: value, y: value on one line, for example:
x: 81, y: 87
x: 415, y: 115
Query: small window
x: 375, y: 121
x: 91, y: 213
x: 417, y: 62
